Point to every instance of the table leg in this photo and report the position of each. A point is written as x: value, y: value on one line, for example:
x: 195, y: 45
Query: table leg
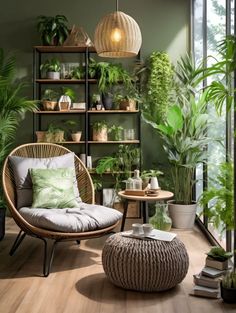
x: 124, y: 215
x: 144, y: 205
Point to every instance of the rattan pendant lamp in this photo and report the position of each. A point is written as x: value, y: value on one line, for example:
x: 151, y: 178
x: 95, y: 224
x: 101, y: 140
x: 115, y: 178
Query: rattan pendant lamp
x: 117, y: 35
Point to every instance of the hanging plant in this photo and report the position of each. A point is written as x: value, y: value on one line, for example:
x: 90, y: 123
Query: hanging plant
x: 158, y: 87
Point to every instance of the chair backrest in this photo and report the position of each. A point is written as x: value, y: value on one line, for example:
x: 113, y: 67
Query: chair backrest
x: 44, y: 150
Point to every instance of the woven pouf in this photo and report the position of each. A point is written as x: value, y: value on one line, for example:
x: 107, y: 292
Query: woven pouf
x: 144, y: 265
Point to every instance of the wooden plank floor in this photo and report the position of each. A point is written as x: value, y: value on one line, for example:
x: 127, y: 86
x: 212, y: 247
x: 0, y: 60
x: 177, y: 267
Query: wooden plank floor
x: 78, y: 284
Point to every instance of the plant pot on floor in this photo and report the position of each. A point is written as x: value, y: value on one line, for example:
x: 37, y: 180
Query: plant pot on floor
x: 182, y: 215
x: 2, y: 223
x: 228, y: 294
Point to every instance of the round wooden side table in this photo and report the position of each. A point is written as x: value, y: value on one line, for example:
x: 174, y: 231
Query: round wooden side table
x: 162, y: 195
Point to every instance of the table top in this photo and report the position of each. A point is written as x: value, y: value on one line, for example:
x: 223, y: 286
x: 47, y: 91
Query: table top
x: 162, y: 195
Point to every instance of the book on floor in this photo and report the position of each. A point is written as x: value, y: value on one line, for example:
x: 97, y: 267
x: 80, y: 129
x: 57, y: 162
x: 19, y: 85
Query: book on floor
x: 212, y: 272
x: 206, y: 281
x: 201, y: 291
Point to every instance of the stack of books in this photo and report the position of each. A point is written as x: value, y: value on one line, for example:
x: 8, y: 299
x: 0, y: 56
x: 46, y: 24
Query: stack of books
x: 207, y: 282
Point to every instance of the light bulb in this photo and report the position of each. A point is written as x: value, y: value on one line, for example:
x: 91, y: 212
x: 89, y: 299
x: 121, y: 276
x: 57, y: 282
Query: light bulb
x: 116, y: 35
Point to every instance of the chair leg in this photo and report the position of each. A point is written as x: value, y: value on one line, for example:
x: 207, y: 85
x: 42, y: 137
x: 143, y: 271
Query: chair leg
x: 20, y: 237
x: 48, y: 257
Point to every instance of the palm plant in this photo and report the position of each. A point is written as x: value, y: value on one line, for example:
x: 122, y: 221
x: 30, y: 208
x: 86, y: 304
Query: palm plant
x: 13, y: 106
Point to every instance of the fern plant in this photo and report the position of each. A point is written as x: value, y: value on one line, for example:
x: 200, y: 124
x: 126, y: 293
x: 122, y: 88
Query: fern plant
x: 13, y: 106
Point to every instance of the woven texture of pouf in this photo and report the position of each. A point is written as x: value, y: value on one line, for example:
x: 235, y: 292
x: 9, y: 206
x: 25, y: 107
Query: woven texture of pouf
x: 144, y: 265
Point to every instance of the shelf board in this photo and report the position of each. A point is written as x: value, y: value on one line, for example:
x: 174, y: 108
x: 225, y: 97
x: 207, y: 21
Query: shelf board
x: 73, y: 142
x: 64, y: 81
x: 63, y: 49
x: 60, y: 112
x: 111, y: 111
x: 114, y: 142
x: 93, y: 171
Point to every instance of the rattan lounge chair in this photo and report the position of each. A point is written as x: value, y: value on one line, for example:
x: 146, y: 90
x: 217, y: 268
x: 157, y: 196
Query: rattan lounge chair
x: 85, y: 185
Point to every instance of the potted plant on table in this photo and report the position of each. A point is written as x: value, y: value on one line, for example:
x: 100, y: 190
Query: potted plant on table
x: 228, y: 287
x: 100, y: 131
x: 53, y: 29
x: 52, y: 68
x: 13, y: 107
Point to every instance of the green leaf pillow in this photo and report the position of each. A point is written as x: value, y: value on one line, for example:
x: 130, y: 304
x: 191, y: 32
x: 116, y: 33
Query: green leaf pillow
x: 53, y: 188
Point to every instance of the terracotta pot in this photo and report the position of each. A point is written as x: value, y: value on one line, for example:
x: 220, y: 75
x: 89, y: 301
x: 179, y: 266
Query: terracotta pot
x: 129, y: 105
x: 49, y: 105
x: 41, y: 136
x: 100, y: 135
x: 76, y: 136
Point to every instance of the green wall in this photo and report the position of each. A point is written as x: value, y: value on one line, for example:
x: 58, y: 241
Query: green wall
x: 164, y: 25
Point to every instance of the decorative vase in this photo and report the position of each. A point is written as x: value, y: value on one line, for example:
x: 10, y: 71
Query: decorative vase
x: 107, y: 100
x: 161, y: 220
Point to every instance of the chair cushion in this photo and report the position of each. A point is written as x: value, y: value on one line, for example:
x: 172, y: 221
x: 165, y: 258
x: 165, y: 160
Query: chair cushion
x: 23, y: 180
x: 53, y: 188
x: 86, y: 217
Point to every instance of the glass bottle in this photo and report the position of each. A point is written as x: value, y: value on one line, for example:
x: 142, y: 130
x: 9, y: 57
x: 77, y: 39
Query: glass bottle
x: 161, y: 220
x: 137, y: 180
x: 129, y: 183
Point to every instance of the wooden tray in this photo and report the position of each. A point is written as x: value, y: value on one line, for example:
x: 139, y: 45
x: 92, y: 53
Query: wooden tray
x: 133, y: 192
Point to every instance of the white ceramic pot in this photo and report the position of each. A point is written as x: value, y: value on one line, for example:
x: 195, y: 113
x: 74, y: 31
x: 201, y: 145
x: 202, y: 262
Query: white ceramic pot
x: 76, y: 136
x: 182, y: 215
x: 154, y: 183
x: 53, y: 75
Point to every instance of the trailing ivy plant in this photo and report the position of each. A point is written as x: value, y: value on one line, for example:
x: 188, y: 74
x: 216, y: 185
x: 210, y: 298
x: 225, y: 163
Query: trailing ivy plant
x: 158, y: 87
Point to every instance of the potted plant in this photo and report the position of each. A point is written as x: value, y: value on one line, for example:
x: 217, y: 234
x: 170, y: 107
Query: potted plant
x: 78, y: 72
x: 109, y: 75
x: 68, y: 96
x: 228, y: 287
x: 53, y: 29
x: 116, y: 132
x: 49, y: 99
x: 13, y: 107
x: 54, y: 133
x: 184, y: 135
x: 100, y: 130
x: 147, y: 175
x: 72, y: 127
x: 96, y: 102
x: 52, y: 68
x: 218, y: 258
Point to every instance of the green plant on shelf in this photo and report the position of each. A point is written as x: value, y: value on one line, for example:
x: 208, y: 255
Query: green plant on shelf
x: 50, y: 95
x: 116, y: 132
x: 69, y: 92
x: 92, y: 68
x: 78, y: 72
x: 219, y: 254
x: 71, y: 126
x: 51, y: 65
x: 99, y: 125
x: 52, y: 29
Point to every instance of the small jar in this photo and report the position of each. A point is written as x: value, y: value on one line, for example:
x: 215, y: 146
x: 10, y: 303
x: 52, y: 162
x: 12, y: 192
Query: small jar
x: 137, y: 180
x: 130, y: 183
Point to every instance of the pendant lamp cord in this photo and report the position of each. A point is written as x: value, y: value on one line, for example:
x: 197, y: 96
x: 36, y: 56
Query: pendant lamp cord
x: 117, y: 5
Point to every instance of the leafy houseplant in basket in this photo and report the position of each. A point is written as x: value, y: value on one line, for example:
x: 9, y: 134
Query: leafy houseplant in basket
x: 100, y: 131
x: 228, y: 287
x: 184, y: 135
x: 13, y: 107
x: 53, y: 29
x: 49, y: 100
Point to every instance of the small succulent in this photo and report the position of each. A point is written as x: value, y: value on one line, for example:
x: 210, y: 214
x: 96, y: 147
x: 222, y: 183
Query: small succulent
x: 219, y: 254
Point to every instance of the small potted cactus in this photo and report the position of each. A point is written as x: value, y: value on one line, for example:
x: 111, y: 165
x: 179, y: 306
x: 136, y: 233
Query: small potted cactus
x: 228, y: 287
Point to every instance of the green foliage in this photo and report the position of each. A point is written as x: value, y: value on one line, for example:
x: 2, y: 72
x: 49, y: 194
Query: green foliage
x: 219, y: 199
x: 116, y: 132
x: 184, y: 134
x: 150, y: 173
x: 13, y: 106
x: 51, y: 65
x: 69, y: 92
x: 110, y: 74
x: 78, y: 72
x: 219, y: 254
x: 158, y: 87
x: 99, y: 125
x: 50, y: 95
x: 71, y: 126
x: 229, y: 280
x: 53, y: 30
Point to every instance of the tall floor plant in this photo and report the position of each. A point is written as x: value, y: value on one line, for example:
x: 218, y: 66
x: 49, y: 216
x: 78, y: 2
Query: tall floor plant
x: 13, y: 106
